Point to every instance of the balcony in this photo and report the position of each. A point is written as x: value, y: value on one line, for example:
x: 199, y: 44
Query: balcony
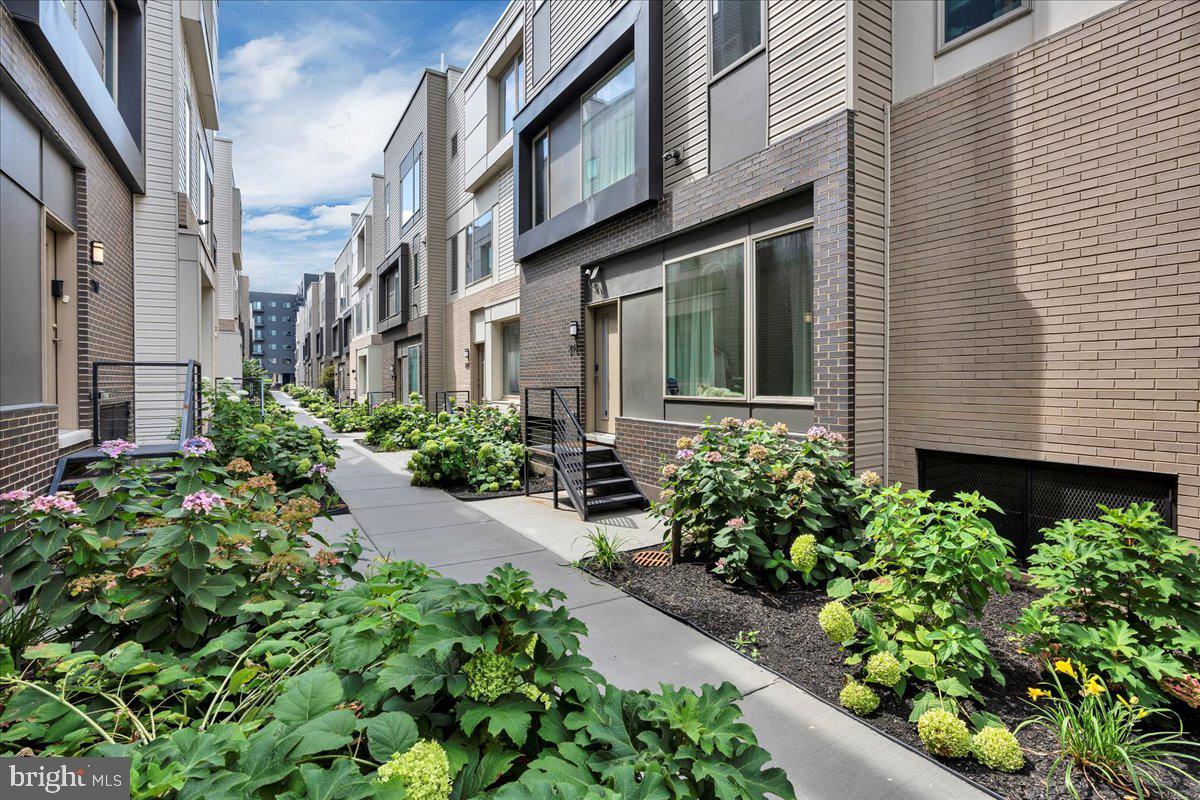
x: 200, y: 36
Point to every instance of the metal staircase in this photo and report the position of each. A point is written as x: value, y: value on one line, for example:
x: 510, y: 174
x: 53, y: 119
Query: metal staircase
x: 593, y: 474
x: 116, y: 386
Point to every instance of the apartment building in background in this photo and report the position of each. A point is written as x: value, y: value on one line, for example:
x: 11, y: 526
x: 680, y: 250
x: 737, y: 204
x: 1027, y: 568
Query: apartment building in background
x: 274, y: 342
x: 341, y: 325
x: 245, y: 317
x: 411, y: 296
x: 482, y: 287
x: 71, y: 165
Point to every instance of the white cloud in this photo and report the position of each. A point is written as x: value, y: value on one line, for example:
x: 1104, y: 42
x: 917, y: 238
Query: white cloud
x: 321, y: 219
x: 467, y: 34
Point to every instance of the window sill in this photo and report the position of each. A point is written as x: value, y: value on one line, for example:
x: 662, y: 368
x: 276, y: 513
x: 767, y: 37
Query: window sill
x: 478, y: 281
x: 745, y: 57
x: 73, y: 438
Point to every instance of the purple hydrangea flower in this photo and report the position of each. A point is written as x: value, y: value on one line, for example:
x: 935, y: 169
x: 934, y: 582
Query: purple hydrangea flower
x: 713, y: 457
x: 816, y: 432
x: 202, y: 502
x: 115, y: 448
x: 198, y: 446
x: 685, y: 454
x: 319, y: 471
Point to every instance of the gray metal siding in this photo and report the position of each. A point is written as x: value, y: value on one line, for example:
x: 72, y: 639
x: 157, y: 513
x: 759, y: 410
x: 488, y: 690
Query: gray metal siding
x: 685, y: 90
x: 808, y: 63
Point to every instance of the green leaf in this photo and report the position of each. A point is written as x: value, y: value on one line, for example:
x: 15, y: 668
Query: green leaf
x: 839, y: 588
x: 341, y: 781
x: 269, y: 608
x: 510, y: 716
x: 263, y: 761
x: 743, y: 778
x: 354, y: 650
x: 187, y: 580
x: 307, y: 696
x: 389, y: 733
x: 480, y: 773
x: 426, y: 675
x: 331, y: 730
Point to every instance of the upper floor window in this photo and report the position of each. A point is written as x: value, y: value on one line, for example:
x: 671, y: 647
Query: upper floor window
x: 541, y: 178
x: 608, y: 130
x: 512, y: 94
x: 390, y: 303
x: 479, y: 248
x: 962, y: 17
x: 452, y: 245
x: 387, y: 216
x: 410, y: 184
x: 256, y: 305
x: 416, y: 267
x: 736, y: 29
x: 110, y: 47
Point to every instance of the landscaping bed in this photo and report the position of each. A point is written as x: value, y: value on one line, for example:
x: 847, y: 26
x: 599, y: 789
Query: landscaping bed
x: 468, y: 495
x: 790, y: 643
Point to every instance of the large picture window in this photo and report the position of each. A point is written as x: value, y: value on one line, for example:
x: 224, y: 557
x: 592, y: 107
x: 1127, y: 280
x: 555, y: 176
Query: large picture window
x: 710, y: 350
x: 410, y: 191
x: 541, y: 179
x: 704, y: 317
x: 736, y: 30
x: 608, y: 130
x: 511, y: 94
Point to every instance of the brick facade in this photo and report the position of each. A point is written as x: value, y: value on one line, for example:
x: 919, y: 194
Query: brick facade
x: 104, y: 212
x: 645, y: 445
x: 460, y: 374
x: 552, y: 284
x: 1045, y: 299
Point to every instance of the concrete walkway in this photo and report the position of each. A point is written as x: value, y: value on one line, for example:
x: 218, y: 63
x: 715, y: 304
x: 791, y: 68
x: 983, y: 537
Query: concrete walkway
x: 827, y: 755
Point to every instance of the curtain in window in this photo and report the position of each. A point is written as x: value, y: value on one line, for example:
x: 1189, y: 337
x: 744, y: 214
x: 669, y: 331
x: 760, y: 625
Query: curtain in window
x: 608, y: 131
x: 704, y: 324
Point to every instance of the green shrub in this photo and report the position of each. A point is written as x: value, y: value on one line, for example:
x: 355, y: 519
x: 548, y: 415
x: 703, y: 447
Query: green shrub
x: 858, y: 697
x: 475, y: 448
x: 743, y: 492
x: 370, y: 685
x: 169, y: 558
x: 943, y: 733
x: 997, y: 748
x: 351, y: 418
x: 918, y: 596
x: 391, y: 424
x: 1121, y: 596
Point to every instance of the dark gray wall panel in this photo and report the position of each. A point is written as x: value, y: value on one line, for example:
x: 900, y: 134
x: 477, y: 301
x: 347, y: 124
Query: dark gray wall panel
x: 633, y: 273
x: 797, y: 418
x: 566, y: 173
x: 688, y: 411
x: 737, y: 118
x: 20, y: 147
x: 58, y: 183
x: 20, y: 296
x: 641, y: 356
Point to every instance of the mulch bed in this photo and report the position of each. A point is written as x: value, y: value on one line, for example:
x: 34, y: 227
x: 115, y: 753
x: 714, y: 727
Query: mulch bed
x: 469, y: 495
x: 791, y: 644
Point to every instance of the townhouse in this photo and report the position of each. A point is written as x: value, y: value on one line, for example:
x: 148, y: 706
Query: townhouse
x: 411, y: 296
x: 227, y: 234
x: 365, y: 344
x: 274, y: 342
x: 71, y: 165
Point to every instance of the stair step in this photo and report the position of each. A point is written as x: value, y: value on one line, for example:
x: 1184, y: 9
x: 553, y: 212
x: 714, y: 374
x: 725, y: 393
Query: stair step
x: 611, y: 500
x: 599, y: 483
x: 596, y: 465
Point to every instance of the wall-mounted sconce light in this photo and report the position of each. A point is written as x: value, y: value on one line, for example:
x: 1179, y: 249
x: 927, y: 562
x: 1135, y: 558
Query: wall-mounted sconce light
x: 466, y: 354
x: 97, y: 252
x: 573, y: 329
x: 95, y: 286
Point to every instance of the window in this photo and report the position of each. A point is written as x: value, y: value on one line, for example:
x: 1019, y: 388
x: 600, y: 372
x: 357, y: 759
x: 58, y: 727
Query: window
x: 710, y: 351
x: 961, y: 17
x: 783, y: 315
x: 511, y: 343
x: 387, y: 216
x: 110, y: 47
x: 736, y: 29
x: 452, y: 246
x: 541, y: 178
x: 703, y: 312
x: 257, y: 305
x: 511, y: 94
x: 608, y: 130
x: 453, y: 145
x: 358, y: 318
x: 413, y: 354
x: 416, y: 268
x: 410, y: 183
x: 389, y: 304
x: 272, y: 304
x: 479, y: 248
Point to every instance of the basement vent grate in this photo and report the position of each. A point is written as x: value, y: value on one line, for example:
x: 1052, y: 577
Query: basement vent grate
x: 652, y: 558
x: 1036, y: 494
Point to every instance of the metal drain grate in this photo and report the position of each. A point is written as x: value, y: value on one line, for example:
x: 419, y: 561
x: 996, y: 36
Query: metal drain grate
x: 652, y: 558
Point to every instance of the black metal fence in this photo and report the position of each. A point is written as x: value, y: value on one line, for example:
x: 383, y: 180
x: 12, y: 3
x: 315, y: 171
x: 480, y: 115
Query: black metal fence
x: 451, y: 400
x: 1034, y: 494
x: 375, y: 398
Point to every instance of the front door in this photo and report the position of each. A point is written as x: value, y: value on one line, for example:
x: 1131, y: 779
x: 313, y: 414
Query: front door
x: 605, y: 346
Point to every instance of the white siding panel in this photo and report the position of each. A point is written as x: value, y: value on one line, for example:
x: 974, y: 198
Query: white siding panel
x: 685, y: 90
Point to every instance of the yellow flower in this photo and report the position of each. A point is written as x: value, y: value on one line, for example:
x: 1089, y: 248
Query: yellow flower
x: 1130, y: 703
x: 1141, y: 713
x: 1036, y: 694
x: 1093, y: 686
x: 1066, y: 668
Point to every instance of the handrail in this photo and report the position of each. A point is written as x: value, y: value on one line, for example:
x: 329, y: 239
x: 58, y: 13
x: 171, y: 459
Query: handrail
x: 192, y: 399
x: 442, y: 399
x: 567, y: 441
x: 577, y: 483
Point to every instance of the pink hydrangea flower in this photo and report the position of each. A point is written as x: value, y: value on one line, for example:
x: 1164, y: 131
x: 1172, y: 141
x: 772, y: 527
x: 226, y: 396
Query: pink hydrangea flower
x: 779, y: 428
x: 731, y: 423
x: 16, y: 496
x: 713, y: 457
x: 115, y: 448
x: 737, y: 523
x: 757, y: 453
x: 319, y: 471
x: 753, y: 422
x: 669, y: 471
x: 202, y: 502
x: 684, y: 454
x: 63, y: 502
x: 816, y: 432
x: 835, y: 437
x: 198, y: 446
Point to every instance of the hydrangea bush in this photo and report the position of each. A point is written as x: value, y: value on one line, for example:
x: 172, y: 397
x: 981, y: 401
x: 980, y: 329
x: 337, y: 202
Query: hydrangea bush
x: 477, y: 447
x: 746, y: 495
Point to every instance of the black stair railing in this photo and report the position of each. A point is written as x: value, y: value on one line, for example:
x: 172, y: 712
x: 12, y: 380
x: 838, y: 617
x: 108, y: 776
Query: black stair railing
x: 451, y: 400
x: 551, y: 424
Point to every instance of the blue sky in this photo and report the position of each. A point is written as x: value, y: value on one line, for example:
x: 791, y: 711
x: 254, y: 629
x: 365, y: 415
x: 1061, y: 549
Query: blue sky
x: 309, y: 92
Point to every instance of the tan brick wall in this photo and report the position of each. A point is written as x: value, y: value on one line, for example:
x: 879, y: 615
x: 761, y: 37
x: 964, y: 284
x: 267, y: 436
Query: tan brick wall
x: 459, y: 373
x: 1045, y: 254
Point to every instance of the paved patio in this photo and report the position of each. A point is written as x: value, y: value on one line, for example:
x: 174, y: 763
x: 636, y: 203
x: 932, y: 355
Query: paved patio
x: 827, y: 754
